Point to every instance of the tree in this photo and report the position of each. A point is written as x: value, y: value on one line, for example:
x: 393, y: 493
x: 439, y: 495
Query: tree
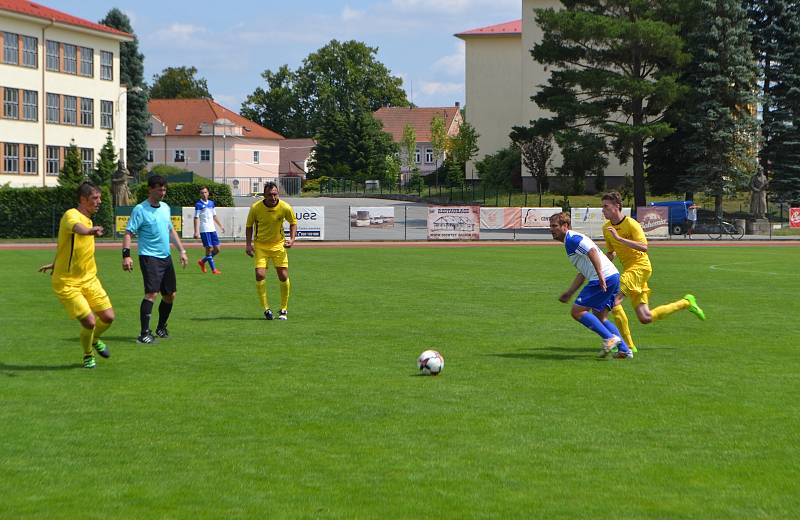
x: 339, y: 77
x: 500, y: 169
x: 535, y: 152
x: 106, y: 164
x: 462, y: 148
x: 409, y: 143
x: 132, y: 74
x: 438, y: 143
x: 612, y: 74
x: 71, y: 174
x: 722, y: 148
x: 179, y: 83
x: 583, y: 154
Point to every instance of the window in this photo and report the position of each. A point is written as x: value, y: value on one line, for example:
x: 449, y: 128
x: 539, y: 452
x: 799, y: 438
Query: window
x: 106, y: 114
x: 256, y: 156
x: 30, y: 51
x: 87, y: 160
x: 416, y: 155
x: 53, y: 160
x: 70, y: 59
x: 87, y: 61
x: 30, y: 105
x: 180, y: 156
x: 11, y: 158
x: 428, y: 155
x: 30, y: 159
x: 11, y: 103
x: 205, y: 155
x: 87, y: 112
x: 106, y: 65
x: 11, y: 48
x: 70, y: 110
x: 149, y: 155
x: 53, y: 108
x: 53, y: 60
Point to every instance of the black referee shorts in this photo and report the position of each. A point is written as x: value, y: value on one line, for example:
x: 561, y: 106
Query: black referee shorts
x: 158, y: 274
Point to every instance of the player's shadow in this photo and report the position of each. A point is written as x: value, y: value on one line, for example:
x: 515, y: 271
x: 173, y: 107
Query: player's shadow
x: 37, y: 368
x: 548, y: 353
x: 229, y: 318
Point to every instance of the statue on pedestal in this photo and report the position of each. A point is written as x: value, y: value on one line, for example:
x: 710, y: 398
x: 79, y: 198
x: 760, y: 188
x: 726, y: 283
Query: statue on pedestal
x: 119, y: 186
x: 758, y: 194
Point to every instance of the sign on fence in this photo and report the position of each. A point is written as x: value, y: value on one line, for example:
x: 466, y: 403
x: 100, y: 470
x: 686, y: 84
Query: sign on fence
x: 381, y: 217
x: 794, y: 217
x: 589, y: 221
x: 500, y: 218
x: 654, y: 220
x: 454, y: 223
x: 538, y: 218
x: 310, y: 223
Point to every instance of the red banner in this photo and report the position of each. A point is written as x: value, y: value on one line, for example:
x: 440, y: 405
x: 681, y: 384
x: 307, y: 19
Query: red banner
x: 794, y: 217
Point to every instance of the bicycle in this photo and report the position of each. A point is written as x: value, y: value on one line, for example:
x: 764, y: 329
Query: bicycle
x: 721, y: 227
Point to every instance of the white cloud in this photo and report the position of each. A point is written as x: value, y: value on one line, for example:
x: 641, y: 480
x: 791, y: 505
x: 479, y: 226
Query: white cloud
x: 453, y: 6
x: 349, y: 14
x: 438, y: 88
x: 452, y: 64
x: 181, y: 33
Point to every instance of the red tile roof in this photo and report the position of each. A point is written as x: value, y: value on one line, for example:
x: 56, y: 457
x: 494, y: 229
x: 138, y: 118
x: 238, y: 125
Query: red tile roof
x: 514, y: 27
x: 394, y: 119
x: 193, y: 113
x: 294, y: 153
x: 39, y: 11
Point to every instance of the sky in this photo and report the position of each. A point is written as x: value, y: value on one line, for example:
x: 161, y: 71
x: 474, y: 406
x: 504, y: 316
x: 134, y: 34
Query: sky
x: 232, y: 43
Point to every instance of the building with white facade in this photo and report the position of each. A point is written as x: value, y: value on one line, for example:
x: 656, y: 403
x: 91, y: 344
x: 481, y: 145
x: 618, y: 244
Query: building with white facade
x: 59, y: 84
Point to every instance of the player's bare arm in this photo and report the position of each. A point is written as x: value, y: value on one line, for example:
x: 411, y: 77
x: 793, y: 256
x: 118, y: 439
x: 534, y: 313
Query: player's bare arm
x: 219, y: 224
x: 196, y: 227
x: 177, y: 241
x: 574, y: 286
x: 80, y: 229
x: 127, y: 261
x: 292, y: 235
x: 594, y: 257
x: 248, y: 235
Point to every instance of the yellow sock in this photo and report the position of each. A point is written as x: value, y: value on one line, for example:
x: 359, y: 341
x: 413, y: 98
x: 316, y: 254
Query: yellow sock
x: 662, y: 311
x: 86, y: 340
x: 261, y: 289
x: 99, y: 328
x: 285, y: 288
x: 621, y: 319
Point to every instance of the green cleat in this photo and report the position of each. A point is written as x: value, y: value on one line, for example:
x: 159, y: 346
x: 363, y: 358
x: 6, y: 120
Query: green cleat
x: 89, y: 362
x: 694, y: 308
x: 102, y: 349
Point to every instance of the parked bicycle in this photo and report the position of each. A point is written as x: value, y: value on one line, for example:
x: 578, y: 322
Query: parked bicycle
x: 721, y: 227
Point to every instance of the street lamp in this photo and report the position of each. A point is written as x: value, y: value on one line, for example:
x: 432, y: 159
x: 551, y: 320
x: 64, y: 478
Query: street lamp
x: 225, y: 124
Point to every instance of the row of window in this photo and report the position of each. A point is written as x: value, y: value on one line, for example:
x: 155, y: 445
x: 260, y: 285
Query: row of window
x: 28, y: 162
x: 428, y: 155
x: 19, y: 49
x: 61, y: 109
x: 205, y: 155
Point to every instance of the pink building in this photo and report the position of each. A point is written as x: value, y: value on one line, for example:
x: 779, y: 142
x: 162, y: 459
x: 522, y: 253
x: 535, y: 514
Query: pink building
x: 202, y: 136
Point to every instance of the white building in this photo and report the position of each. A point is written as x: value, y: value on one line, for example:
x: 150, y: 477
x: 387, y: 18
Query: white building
x: 59, y: 83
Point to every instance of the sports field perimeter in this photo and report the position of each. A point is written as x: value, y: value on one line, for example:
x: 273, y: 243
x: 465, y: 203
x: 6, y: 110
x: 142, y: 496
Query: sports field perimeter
x: 325, y: 416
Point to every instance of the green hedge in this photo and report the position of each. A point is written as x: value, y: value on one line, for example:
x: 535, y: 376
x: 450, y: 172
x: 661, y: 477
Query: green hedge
x: 185, y: 194
x: 36, y: 212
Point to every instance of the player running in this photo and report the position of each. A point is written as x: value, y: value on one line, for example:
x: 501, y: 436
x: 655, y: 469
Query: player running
x: 74, y: 274
x: 625, y: 238
x: 597, y: 297
x: 205, y: 216
x: 265, y: 227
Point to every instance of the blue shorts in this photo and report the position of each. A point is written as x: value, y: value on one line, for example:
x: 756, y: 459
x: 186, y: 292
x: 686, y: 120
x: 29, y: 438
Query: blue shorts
x: 593, y: 297
x: 209, y: 239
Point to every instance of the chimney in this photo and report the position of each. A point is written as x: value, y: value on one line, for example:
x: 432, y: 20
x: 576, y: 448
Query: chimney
x: 458, y: 104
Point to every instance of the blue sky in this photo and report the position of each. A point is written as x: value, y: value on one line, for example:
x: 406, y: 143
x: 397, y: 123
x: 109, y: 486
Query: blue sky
x: 231, y: 43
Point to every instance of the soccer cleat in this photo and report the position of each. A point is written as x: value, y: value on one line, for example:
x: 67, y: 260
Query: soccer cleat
x: 283, y: 315
x: 162, y: 332
x: 268, y: 314
x: 88, y: 361
x: 608, y: 345
x: 146, y: 338
x: 624, y: 355
x: 694, y: 308
x: 101, y: 348
x: 202, y: 265
x: 216, y: 271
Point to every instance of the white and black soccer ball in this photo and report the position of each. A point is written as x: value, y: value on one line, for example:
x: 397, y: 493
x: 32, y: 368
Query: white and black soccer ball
x: 430, y: 363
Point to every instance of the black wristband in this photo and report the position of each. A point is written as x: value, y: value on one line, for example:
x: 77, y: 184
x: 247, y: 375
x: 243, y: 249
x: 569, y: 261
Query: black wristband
x: 126, y: 252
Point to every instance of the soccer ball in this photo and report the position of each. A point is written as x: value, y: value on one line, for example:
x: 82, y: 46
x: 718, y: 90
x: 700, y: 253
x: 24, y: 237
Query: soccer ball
x: 430, y: 363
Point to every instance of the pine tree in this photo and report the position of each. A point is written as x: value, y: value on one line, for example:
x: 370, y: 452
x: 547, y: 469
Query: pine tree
x: 722, y: 148
x: 106, y: 164
x: 71, y: 174
x: 132, y: 75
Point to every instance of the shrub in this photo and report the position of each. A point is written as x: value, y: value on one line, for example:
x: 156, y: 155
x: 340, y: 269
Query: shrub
x: 185, y: 194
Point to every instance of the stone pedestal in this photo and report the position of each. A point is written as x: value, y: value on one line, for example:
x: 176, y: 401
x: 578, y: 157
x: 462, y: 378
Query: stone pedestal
x: 759, y: 226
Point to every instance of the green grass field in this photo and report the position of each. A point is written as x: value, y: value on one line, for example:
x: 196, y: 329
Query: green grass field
x: 325, y: 416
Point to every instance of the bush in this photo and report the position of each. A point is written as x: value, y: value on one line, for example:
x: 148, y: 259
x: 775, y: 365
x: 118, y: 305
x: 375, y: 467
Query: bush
x: 36, y: 212
x: 185, y: 194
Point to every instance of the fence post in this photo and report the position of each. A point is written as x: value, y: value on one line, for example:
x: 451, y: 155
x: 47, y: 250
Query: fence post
x: 405, y: 222
x: 349, y: 210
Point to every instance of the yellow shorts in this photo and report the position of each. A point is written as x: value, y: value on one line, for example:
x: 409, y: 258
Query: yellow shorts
x: 81, y: 300
x: 633, y: 284
x: 264, y: 253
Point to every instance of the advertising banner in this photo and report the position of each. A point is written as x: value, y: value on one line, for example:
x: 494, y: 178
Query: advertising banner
x: 500, y: 218
x: 454, y: 222
x: 379, y: 217
x: 589, y: 221
x: 538, y: 218
x: 310, y: 223
x: 233, y: 219
x: 794, y: 217
x: 654, y: 221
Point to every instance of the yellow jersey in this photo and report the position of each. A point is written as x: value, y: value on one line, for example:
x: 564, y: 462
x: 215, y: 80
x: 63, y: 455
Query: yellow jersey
x: 629, y: 229
x: 74, y: 263
x: 267, y: 223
